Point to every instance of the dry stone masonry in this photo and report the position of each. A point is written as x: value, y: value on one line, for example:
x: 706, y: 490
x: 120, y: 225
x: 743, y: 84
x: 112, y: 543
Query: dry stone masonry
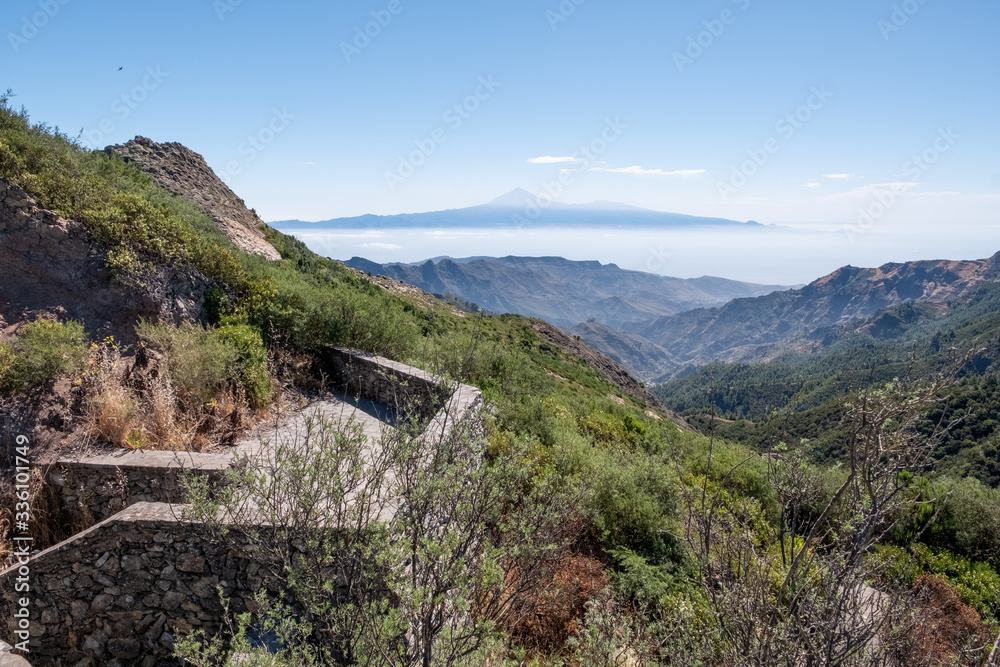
x: 122, y: 591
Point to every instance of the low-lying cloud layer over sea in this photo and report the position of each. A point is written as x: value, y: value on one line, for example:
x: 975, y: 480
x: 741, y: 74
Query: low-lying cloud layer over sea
x: 786, y: 255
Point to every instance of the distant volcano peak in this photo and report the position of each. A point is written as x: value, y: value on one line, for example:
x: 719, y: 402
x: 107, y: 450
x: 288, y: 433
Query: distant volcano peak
x: 516, y: 198
x: 519, y: 207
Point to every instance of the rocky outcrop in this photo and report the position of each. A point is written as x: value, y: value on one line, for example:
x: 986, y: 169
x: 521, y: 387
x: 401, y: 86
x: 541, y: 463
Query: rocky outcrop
x: 185, y: 173
x: 52, y: 267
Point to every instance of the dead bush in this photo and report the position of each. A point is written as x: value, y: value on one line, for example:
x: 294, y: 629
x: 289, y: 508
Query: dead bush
x: 946, y: 631
x: 555, y: 610
x: 162, y: 406
x: 111, y: 415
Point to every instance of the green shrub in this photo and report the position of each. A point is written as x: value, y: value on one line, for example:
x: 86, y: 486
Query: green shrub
x: 633, y: 504
x: 529, y: 416
x: 250, y: 364
x: 377, y: 324
x: 221, y: 264
x: 9, y: 381
x: 610, y: 431
x: 970, y: 520
x: 956, y: 514
x: 130, y: 220
x: 217, y: 305
x: 41, y: 351
x: 199, y: 362
x: 743, y: 472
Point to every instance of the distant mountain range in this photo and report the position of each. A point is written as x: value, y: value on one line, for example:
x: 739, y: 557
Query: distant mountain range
x: 565, y: 292
x: 663, y: 328
x: 758, y: 329
x: 520, y: 208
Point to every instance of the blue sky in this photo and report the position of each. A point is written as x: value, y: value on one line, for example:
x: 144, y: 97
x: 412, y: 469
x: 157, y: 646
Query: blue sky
x: 893, y: 79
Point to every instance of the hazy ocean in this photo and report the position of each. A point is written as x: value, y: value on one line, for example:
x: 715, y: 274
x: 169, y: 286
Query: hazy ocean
x: 774, y: 256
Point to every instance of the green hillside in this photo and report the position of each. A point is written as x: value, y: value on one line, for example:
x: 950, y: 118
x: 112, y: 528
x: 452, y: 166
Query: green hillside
x: 673, y: 547
x: 915, y: 338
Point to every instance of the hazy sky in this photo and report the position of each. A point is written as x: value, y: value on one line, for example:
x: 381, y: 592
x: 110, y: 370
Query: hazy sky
x: 779, y: 111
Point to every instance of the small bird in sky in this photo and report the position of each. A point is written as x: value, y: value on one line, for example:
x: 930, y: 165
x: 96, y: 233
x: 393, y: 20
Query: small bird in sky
x: 120, y: 69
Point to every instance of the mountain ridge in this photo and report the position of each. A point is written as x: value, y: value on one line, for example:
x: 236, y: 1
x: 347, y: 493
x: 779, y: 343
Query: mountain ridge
x: 564, y: 292
x: 757, y: 328
x: 518, y: 208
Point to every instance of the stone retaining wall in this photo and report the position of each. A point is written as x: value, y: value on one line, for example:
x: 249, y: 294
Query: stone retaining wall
x: 404, y: 388
x: 121, y: 591
x: 95, y: 487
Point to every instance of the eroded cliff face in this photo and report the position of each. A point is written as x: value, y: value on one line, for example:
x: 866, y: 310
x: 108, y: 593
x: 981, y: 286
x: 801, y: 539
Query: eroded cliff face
x: 182, y: 171
x: 50, y: 266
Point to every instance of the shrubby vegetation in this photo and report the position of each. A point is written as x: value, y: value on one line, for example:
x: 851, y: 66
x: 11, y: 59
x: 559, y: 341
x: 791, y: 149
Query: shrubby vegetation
x: 922, y: 340
x: 201, y: 361
x: 977, y: 583
x: 593, y: 533
x: 40, y: 351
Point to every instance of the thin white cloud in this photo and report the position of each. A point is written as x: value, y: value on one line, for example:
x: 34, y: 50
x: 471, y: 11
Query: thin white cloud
x: 548, y: 159
x: 838, y: 176
x: 441, y: 235
x: 894, y: 187
x: 639, y: 171
x: 813, y: 185
x: 381, y: 246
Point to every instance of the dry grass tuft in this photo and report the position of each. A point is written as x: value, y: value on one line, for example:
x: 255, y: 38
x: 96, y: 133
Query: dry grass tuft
x: 111, y: 409
x: 111, y: 414
x: 162, y: 407
x: 47, y: 523
x: 139, y: 404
